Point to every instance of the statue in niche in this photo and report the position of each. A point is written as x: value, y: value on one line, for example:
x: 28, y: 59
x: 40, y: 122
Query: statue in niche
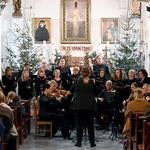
x: 136, y: 8
x: 17, y: 8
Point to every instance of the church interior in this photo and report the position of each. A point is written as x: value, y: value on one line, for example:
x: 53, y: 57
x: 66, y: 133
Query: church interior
x: 108, y: 36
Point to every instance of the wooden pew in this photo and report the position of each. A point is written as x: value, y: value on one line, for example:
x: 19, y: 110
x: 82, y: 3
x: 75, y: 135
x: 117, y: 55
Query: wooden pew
x: 135, y: 130
x: 145, y: 125
x: 19, y: 123
x: 26, y: 104
x: 4, y: 143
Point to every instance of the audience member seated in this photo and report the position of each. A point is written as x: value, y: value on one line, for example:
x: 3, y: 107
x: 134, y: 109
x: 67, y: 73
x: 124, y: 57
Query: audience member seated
x: 143, y: 77
x: 50, y: 111
x: 2, y: 129
x: 8, y: 118
x: 10, y: 96
x: 148, y: 95
x: 16, y: 102
x: 138, y: 104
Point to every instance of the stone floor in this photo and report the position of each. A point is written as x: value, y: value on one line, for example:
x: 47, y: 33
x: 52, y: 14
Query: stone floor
x: 57, y: 142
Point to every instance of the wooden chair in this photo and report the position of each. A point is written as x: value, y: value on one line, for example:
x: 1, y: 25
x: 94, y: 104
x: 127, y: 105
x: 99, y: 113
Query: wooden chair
x: 135, y: 128
x: 38, y: 122
x: 143, y: 145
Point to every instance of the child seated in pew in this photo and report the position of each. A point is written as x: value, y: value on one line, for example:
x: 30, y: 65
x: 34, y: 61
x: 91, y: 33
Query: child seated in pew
x: 10, y: 96
x: 16, y: 102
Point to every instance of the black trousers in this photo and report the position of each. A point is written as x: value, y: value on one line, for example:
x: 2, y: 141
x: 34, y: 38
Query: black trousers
x: 85, y: 118
x: 59, y: 118
x: 11, y: 143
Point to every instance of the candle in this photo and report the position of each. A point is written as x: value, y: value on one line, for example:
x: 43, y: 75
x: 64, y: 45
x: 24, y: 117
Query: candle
x: 142, y: 31
x: 107, y: 44
x: 52, y: 40
x: 44, y: 42
x: 99, y: 41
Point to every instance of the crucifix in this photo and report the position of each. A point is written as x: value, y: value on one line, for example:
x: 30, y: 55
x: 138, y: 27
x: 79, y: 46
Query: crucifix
x: 105, y: 51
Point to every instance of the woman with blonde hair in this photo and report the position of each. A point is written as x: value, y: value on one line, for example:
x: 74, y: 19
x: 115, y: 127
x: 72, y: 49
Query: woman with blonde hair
x: 10, y: 96
x: 25, y: 86
x: 40, y: 81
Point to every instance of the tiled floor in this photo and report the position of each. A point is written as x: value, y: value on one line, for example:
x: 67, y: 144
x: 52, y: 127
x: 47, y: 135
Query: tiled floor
x: 57, y: 143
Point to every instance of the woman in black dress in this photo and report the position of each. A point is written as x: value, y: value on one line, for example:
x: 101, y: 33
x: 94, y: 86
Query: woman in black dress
x: 9, y: 82
x: 40, y: 81
x: 25, y: 86
x: 84, y: 105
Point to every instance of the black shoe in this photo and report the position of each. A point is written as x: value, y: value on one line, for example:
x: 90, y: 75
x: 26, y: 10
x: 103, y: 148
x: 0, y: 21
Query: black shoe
x: 68, y: 138
x: 47, y: 135
x: 100, y: 128
x: 78, y: 144
x: 93, y: 144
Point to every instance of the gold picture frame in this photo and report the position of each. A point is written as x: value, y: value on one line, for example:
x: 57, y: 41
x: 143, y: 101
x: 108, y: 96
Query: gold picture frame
x: 136, y: 8
x: 42, y: 30
x: 109, y: 30
x: 75, y: 21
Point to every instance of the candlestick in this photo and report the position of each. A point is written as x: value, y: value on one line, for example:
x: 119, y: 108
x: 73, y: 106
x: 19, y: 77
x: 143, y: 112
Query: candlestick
x: 99, y: 40
x: 107, y: 44
x: 52, y: 40
x: 142, y: 31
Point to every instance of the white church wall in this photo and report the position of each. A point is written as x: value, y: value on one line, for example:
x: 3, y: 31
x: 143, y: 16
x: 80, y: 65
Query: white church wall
x: 50, y: 8
x: 146, y: 35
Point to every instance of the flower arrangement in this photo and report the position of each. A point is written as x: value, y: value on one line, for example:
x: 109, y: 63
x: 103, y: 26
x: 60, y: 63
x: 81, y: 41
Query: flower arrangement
x: 89, y: 58
x: 59, y: 55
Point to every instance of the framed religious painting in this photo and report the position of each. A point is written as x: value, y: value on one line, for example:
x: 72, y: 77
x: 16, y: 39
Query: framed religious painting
x: 136, y: 8
x: 75, y: 21
x: 42, y: 30
x: 109, y: 30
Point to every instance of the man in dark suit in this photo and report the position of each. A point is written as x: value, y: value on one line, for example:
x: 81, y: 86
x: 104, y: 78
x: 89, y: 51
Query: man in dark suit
x: 65, y: 72
x: 47, y: 71
x: 50, y: 111
x: 99, y: 65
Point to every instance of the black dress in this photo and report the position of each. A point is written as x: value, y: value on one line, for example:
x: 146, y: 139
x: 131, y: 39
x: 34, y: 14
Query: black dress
x: 39, y: 82
x: 84, y: 105
x: 25, y: 89
x: 10, y: 84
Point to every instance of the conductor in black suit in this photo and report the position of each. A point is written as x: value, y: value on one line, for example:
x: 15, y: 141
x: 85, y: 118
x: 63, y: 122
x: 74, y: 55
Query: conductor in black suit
x: 84, y: 105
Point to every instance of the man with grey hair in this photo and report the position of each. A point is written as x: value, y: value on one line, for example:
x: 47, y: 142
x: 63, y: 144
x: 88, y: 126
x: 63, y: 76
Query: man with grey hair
x: 128, y: 81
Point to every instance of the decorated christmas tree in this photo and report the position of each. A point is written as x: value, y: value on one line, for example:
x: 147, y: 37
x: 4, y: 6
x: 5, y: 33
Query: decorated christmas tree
x: 127, y: 54
x: 22, y: 40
